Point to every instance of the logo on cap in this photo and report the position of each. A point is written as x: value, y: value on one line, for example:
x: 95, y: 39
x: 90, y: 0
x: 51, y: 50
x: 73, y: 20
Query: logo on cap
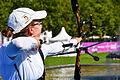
x: 26, y: 18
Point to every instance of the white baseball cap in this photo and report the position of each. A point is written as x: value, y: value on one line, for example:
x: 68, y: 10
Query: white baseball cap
x: 21, y: 17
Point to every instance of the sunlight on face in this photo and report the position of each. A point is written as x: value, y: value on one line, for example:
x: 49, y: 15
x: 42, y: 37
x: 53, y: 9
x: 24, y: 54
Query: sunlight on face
x: 36, y: 26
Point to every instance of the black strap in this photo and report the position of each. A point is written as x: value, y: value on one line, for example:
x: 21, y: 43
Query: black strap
x: 12, y: 58
x: 42, y: 56
x: 17, y: 71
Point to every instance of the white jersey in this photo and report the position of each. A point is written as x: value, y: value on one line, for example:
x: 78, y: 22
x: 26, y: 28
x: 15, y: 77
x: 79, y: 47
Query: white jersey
x: 25, y: 55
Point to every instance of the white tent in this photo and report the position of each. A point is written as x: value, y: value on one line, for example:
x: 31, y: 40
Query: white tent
x: 106, y: 37
x: 62, y: 36
x: 94, y: 37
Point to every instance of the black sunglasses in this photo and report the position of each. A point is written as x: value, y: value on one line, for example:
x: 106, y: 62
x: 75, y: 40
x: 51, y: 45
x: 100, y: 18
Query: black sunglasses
x: 36, y: 22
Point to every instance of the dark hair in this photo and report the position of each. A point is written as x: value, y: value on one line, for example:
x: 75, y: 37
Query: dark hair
x: 8, y: 32
x: 22, y: 33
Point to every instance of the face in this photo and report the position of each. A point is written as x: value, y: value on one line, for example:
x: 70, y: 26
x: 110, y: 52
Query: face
x: 35, y: 28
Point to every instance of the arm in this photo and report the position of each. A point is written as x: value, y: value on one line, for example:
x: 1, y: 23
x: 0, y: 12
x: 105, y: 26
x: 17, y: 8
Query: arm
x: 57, y: 46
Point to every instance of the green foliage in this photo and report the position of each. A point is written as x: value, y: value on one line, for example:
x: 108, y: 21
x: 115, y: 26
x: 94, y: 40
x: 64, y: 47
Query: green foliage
x: 106, y: 14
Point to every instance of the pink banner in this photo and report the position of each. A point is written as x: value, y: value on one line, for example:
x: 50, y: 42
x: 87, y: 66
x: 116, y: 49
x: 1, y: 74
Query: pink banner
x: 102, y: 47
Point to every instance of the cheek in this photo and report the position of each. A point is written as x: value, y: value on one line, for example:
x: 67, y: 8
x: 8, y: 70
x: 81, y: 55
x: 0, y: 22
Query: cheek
x: 38, y: 30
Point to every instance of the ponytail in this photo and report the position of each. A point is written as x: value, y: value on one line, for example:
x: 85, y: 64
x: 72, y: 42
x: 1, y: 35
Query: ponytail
x: 7, y: 32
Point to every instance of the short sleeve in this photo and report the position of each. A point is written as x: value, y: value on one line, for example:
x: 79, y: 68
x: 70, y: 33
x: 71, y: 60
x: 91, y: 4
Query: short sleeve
x: 25, y: 42
x: 21, y: 43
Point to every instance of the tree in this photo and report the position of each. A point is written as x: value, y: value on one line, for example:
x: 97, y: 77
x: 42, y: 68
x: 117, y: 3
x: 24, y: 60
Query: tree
x: 106, y: 14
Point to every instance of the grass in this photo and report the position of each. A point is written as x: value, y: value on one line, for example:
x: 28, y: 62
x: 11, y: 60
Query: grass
x: 84, y: 59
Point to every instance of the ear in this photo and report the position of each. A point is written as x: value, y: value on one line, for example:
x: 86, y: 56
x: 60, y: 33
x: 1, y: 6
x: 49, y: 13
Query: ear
x: 30, y: 31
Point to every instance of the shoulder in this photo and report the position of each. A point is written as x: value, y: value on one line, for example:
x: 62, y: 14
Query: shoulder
x: 24, y: 41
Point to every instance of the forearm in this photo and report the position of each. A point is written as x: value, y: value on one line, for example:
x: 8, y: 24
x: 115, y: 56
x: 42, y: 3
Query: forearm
x: 56, y: 47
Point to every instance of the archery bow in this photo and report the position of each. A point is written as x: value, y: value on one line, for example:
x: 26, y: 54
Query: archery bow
x: 76, y: 11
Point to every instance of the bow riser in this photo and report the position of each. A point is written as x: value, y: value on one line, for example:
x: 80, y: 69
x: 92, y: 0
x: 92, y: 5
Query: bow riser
x: 76, y: 11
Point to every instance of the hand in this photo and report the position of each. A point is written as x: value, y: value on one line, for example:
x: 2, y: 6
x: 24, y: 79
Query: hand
x: 78, y: 39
